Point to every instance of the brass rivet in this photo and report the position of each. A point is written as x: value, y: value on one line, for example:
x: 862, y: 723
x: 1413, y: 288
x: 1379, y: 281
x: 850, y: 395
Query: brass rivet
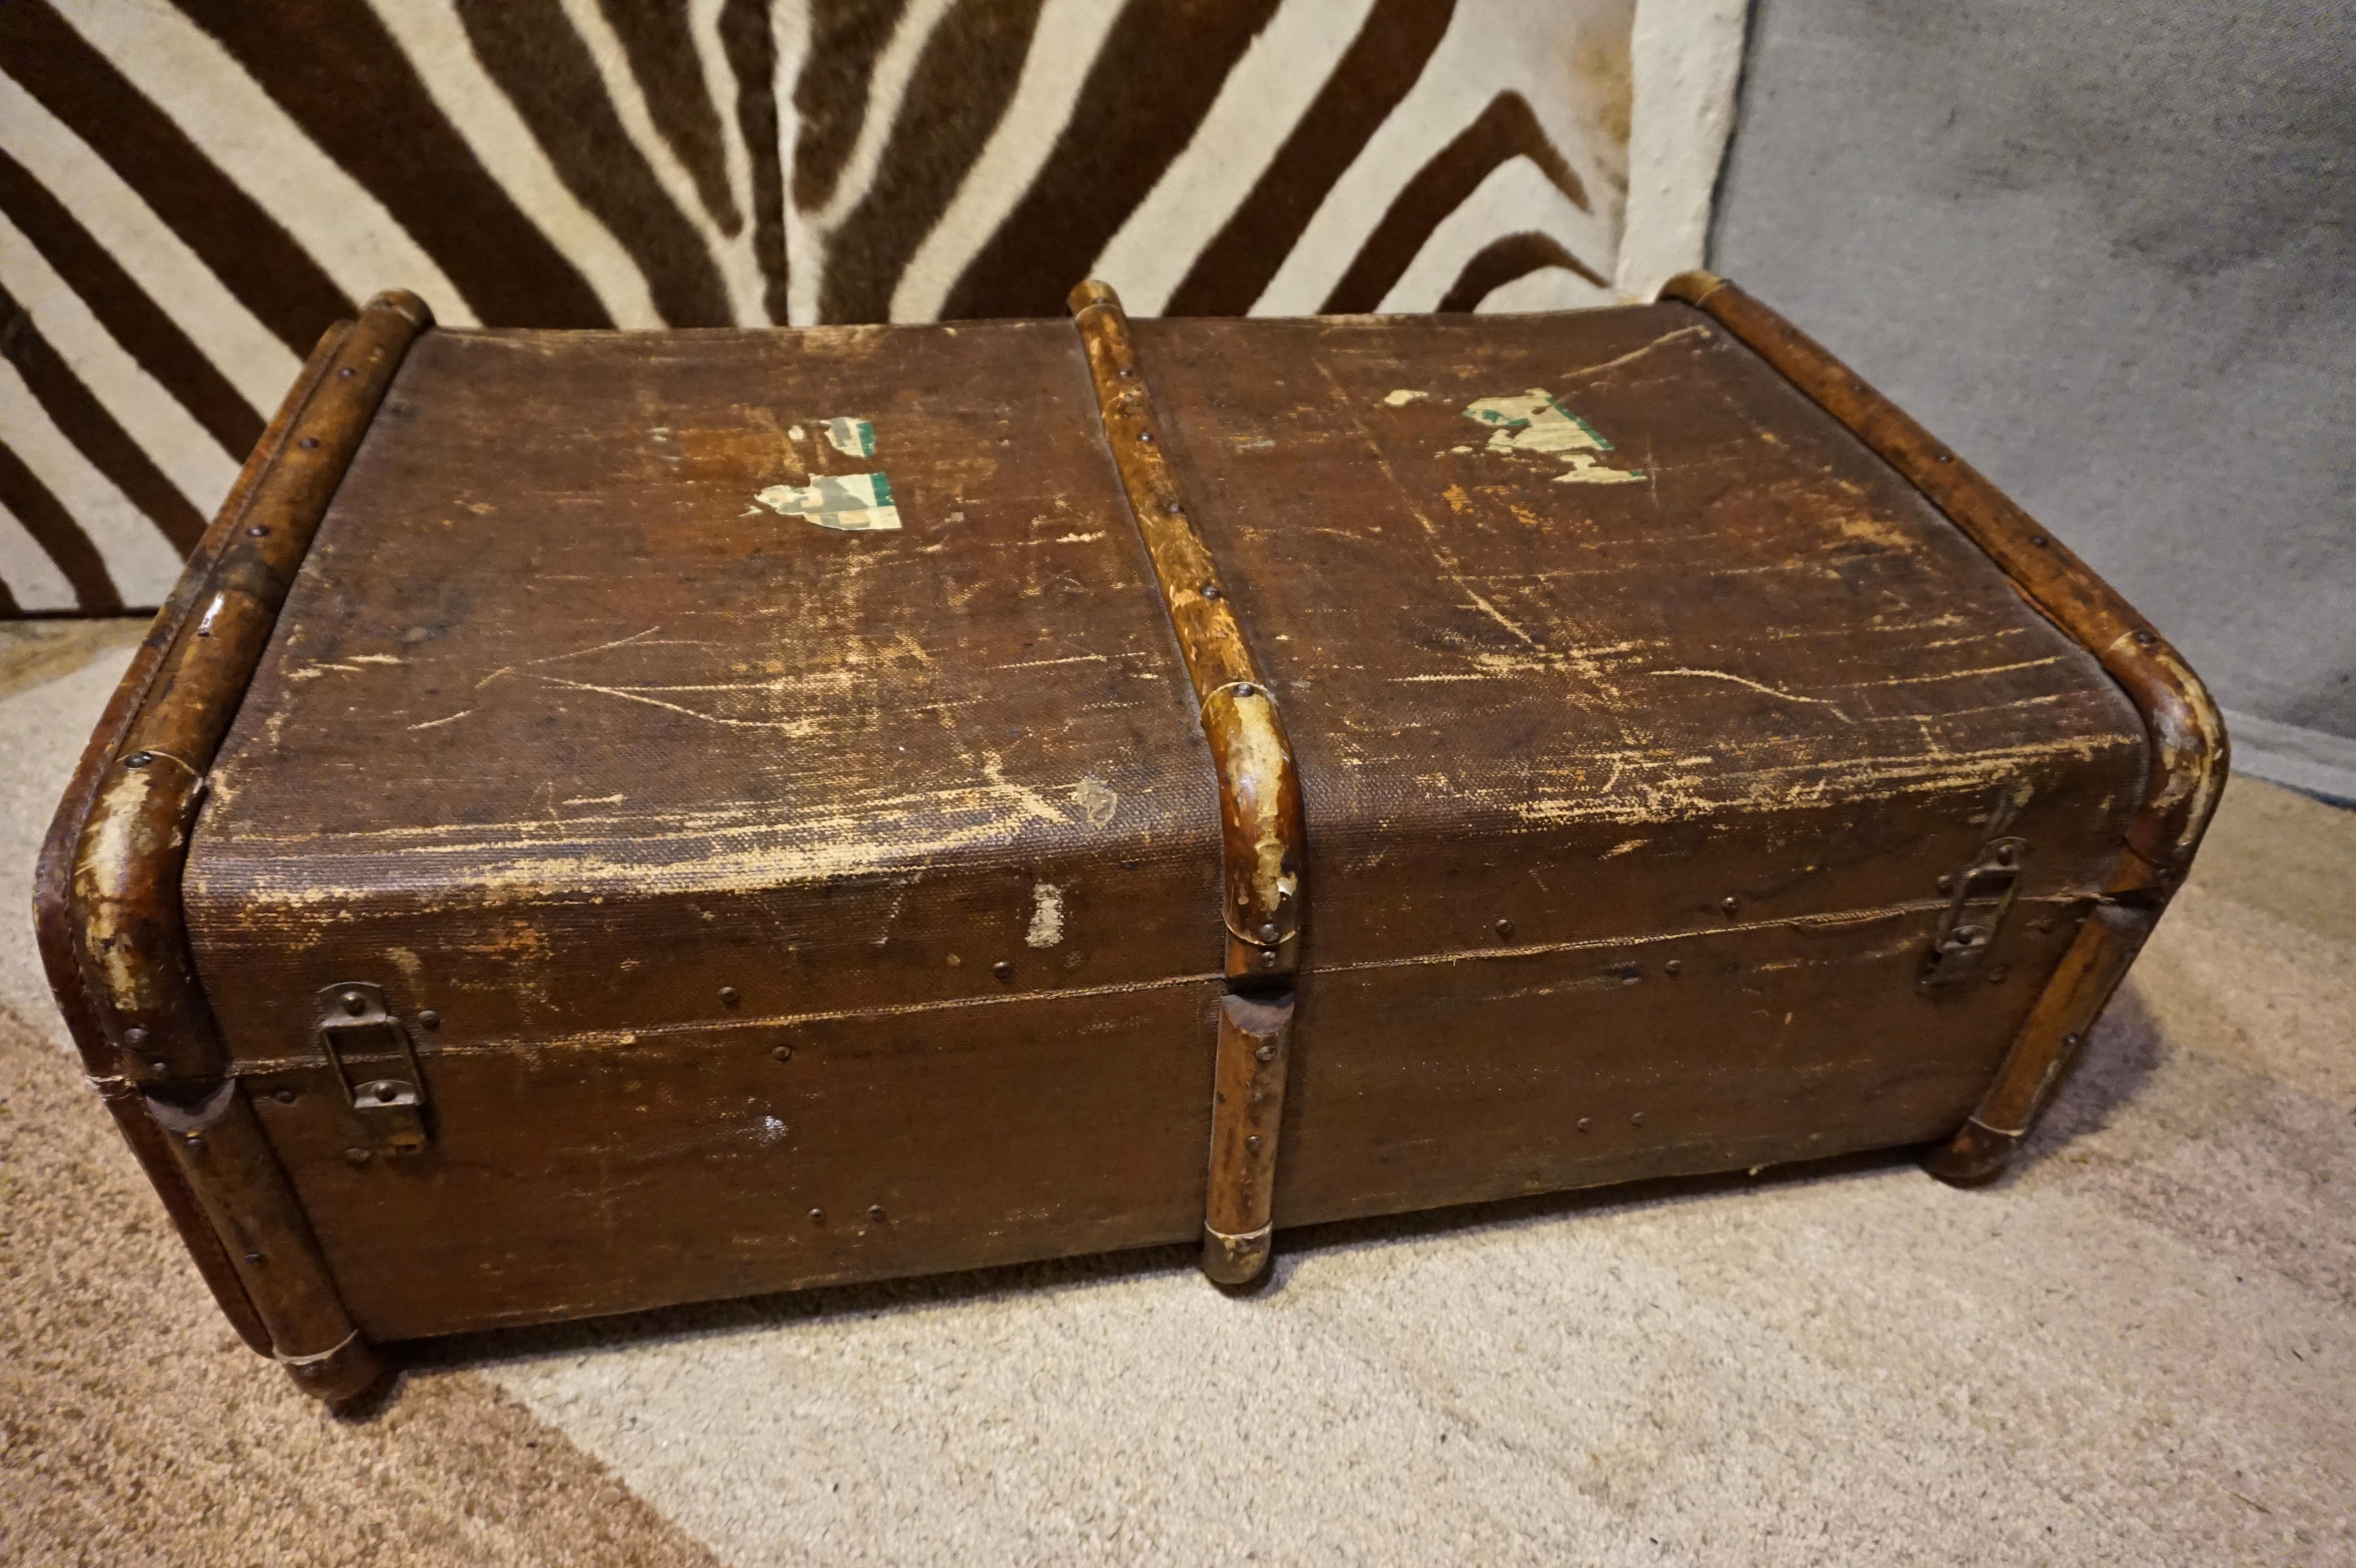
x: 1210, y: 590
x: 876, y: 1210
x: 728, y: 996
x: 1674, y: 966
x: 1504, y: 928
x: 2004, y: 854
x: 1145, y: 435
x: 1173, y: 507
x: 1246, y: 689
x: 284, y: 1097
x: 1252, y: 1143
x: 429, y: 1019
x: 1267, y: 932
x: 783, y: 1053
x: 1267, y: 959
x: 1265, y: 1053
x: 1946, y: 883
x: 308, y: 443
x: 1638, y: 1120
x: 358, y: 1156
x: 196, y: 1143
x: 1584, y: 1123
x: 138, y: 759
x: 354, y: 1003
x: 1730, y: 903
x: 818, y: 1216
x: 955, y: 961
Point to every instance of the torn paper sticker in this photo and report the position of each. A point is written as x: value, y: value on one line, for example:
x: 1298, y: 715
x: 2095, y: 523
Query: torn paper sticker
x: 1535, y: 422
x: 852, y: 503
x: 852, y: 438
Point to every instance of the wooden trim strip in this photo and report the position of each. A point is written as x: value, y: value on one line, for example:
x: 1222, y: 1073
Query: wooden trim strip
x: 2189, y: 749
x: 1260, y: 790
x: 1262, y: 840
x: 112, y: 930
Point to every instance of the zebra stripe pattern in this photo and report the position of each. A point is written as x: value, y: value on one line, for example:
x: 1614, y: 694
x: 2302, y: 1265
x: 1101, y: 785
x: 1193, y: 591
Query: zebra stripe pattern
x: 192, y: 190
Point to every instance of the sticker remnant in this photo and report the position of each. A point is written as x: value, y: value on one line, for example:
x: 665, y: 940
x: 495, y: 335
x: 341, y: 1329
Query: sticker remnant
x: 1046, y: 915
x: 849, y: 503
x: 1403, y: 397
x: 852, y: 438
x: 1535, y: 422
x: 1094, y: 797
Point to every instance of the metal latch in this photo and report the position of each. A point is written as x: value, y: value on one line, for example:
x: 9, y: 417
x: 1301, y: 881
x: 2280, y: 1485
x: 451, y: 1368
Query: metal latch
x: 1980, y: 894
x: 356, y: 1022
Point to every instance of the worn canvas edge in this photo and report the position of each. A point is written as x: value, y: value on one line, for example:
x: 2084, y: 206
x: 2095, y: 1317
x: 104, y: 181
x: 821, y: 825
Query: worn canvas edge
x: 1684, y: 68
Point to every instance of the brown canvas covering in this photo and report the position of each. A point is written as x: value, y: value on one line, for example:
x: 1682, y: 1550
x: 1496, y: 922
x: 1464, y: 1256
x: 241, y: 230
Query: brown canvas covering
x: 769, y: 898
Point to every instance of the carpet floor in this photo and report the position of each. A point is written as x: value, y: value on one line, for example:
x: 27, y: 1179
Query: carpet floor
x: 2137, y: 1347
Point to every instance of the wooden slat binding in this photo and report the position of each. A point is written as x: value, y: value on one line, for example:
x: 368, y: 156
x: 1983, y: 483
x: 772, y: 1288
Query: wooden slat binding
x: 1261, y: 833
x: 114, y: 933
x: 2189, y: 751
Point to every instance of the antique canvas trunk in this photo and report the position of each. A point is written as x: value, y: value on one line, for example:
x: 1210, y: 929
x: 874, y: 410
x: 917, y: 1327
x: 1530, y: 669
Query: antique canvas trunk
x: 613, y: 820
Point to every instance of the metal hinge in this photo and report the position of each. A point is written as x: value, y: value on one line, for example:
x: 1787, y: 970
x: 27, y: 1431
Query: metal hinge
x: 1980, y: 894
x: 355, y: 1022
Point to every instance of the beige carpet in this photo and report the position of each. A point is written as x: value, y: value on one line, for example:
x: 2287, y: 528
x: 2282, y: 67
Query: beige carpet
x: 2140, y: 1348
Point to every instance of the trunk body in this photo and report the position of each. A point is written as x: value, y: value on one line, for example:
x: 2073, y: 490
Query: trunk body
x: 726, y: 811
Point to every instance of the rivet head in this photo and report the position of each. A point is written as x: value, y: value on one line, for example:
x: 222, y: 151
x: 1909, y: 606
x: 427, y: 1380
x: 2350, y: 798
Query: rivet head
x: 1145, y: 435
x: 357, y: 1156
x: 1173, y: 507
x: 1730, y: 903
x: 308, y: 443
x: 1504, y: 928
x: 1674, y: 966
x: 134, y: 1036
x: 254, y: 1258
x: 783, y: 1053
x: 2004, y: 854
x: 429, y: 1019
x: 354, y: 1003
x: 818, y: 1216
x: 1997, y: 975
x: 196, y: 1142
x: 1252, y: 1143
x: 258, y: 531
x: 1267, y: 959
x: 1209, y: 590
x: 1246, y: 689
x: 876, y: 1210
x: 345, y: 371
x: 284, y: 1097
x: 1946, y: 883
x: 2070, y: 1039
x: 159, y: 1067
x: 138, y: 759
x: 729, y: 995
x: 1585, y: 1124
x: 1268, y: 933
x: 1638, y: 1120
x: 1003, y: 969
x: 1265, y: 1053
x: 2146, y: 639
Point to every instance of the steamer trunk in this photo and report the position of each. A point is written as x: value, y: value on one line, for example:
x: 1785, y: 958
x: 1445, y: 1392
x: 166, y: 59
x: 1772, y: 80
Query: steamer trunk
x: 716, y: 811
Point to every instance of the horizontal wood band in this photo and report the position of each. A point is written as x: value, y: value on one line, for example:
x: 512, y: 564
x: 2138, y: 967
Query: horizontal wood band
x: 2189, y: 749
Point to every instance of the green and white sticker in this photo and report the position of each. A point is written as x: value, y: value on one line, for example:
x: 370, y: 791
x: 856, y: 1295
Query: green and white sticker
x: 852, y: 438
x: 849, y: 503
x: 1535, y: 422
